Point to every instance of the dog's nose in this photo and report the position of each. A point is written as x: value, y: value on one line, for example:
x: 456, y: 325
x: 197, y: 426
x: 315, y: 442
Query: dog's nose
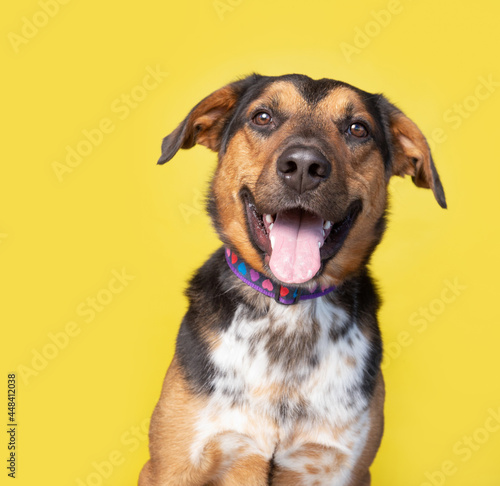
x: 303, y: 168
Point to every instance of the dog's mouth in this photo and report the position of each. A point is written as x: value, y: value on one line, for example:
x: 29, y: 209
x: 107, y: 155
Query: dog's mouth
x: 295, y: 241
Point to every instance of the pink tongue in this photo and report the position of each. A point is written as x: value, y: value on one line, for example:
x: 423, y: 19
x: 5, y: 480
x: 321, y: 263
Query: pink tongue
x: 295, y: 255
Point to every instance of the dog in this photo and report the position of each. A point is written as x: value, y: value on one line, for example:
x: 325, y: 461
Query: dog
x: 276, y: 376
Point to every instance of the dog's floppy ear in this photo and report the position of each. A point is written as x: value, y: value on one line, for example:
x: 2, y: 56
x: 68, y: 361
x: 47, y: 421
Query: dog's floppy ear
x: 205, y: 122
x: 411, y: 153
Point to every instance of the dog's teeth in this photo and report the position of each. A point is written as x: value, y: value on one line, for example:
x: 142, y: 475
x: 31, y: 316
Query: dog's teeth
x: 324, y: 233
x: 269, y: 218
x: 327, y: 225
x: 273, y: 238
x: 271, y: 226
x: 320, y: 244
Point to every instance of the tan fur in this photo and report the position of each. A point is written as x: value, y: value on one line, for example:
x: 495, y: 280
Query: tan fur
x: 171, y: 436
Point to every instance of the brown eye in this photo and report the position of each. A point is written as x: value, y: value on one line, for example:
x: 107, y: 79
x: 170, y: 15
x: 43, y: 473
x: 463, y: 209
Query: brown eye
x: 262, y: 118
x: 358, y: 130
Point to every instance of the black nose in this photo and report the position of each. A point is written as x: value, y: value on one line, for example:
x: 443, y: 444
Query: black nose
x: 303, y: 168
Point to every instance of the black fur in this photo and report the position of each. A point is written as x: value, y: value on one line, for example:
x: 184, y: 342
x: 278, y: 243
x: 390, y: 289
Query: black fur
x: 211, y: 307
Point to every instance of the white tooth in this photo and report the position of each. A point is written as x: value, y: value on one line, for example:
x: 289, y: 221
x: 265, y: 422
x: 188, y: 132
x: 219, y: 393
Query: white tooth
x: 320, y: 244
x: 324, y: 233
x: 327, y: 225
x: 271, y: 226
x: 273, y: 238
x: 269, y: 218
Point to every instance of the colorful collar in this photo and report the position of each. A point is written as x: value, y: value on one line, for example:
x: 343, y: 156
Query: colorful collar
x: 259, y: 282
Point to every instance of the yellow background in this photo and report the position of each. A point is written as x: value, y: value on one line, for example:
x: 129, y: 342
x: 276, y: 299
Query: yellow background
x: 85, y: 408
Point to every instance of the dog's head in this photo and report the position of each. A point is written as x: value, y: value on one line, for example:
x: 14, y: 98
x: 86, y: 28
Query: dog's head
x: 300, y: 190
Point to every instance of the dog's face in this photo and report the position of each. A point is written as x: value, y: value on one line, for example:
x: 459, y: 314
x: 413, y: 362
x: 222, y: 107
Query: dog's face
x: 300, y: 190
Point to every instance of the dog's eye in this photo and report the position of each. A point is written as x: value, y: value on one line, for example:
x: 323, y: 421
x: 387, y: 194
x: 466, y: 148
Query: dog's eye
x: 262, y: 118
x: 358, y: 130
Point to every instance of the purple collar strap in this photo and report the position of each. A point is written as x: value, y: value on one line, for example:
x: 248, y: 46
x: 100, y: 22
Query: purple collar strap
x: 261, y: 283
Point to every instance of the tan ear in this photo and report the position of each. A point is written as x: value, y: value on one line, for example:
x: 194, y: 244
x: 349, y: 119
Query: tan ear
x: 412, y: 155
x: 205, y: 122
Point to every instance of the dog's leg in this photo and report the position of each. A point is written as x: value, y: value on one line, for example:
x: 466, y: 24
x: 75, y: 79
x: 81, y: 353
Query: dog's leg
x: 318, y: 465
x: 287, y: 478
x: 311, y: 463
x: 177, y: 459
x: 170, y: 438
x: 145, y: 476
x: 252, y: 470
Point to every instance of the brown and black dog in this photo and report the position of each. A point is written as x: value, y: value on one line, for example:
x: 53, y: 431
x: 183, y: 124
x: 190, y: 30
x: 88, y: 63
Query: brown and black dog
x: 276, y: 376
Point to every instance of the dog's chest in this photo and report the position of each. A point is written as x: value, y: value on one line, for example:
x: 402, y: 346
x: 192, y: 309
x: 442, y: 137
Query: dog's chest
x: 294, y: 374
x: 301, y: 360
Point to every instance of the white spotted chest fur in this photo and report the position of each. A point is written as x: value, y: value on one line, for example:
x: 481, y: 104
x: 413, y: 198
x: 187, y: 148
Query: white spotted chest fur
x: 282, y: 381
